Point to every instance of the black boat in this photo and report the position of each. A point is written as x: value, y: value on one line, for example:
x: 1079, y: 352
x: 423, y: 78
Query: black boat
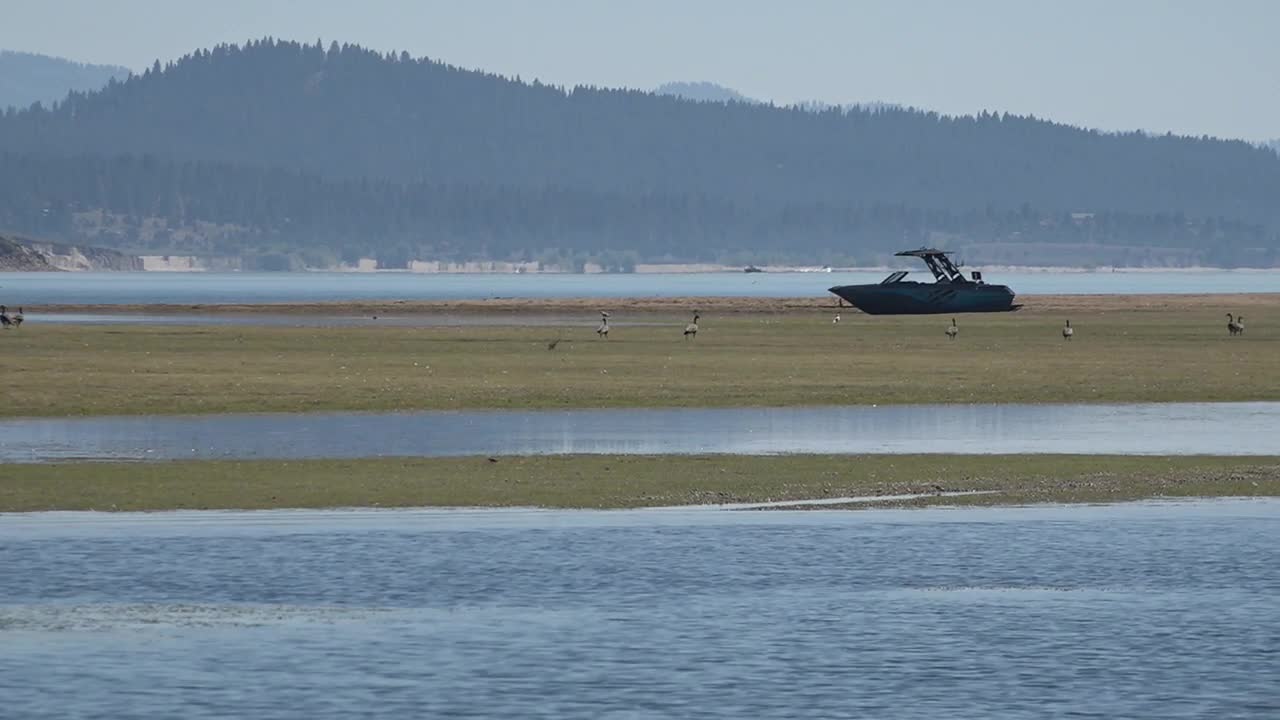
x: 950, y: 293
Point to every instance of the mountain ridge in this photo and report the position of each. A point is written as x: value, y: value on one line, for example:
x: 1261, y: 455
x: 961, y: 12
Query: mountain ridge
x: 27, y: 78
x: 349, y: 112
x: 279, y: 146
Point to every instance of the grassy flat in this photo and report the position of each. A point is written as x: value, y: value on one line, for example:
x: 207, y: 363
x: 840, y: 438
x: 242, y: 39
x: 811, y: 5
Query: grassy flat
x: 622, y: 482
x: 1125, y: 349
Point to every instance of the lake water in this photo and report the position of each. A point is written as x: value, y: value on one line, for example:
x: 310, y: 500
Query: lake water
x: 196, y: 288
x: 1144, y: 610
x: 1143, y: 428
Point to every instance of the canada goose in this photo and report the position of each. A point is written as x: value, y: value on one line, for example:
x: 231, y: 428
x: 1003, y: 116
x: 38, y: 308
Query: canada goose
x: 691, y: 330
x: 4, y: 317
x: 18, y: 318
x: 1067, y: 332
x: 1232, y: 326
x: 836, y: 319
x: 603, y: 329
x: 953, y: 331
x: 1239, y: 323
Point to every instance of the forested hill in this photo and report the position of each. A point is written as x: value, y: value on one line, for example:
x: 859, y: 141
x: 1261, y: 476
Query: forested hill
x: 348, y: 112
x: 276, y: 219
x: 284, y: 155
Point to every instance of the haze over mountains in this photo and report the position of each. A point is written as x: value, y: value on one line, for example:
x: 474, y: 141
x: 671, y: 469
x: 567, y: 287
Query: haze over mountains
x: 26, y: 78
x: 289, y: 154
x: 703, y: 91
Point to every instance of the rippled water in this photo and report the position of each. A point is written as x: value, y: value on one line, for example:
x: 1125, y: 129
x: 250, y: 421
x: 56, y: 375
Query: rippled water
x: 1150, y: 610
x: 188, y: 288
x: 1135, y: 429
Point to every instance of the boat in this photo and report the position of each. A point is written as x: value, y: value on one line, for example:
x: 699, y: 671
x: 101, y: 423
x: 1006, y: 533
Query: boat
x: 951, y: 292
x: 752, y: 269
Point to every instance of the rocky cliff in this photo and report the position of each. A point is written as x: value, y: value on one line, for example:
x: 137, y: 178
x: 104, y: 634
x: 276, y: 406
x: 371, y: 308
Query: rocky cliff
x: 20, y: 254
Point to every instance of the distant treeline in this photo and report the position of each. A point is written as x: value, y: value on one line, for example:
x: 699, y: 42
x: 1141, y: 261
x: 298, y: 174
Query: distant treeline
x: 162, y: 207
x: 294, y: 146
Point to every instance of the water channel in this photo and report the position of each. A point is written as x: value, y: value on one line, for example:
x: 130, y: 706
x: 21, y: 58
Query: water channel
x: 1137, y: 429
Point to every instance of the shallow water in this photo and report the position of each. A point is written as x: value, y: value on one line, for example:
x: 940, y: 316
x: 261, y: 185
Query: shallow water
x: 1135, y: 429
x: 319, y: 320
x: 1145, y: 610
x: 193, y: 288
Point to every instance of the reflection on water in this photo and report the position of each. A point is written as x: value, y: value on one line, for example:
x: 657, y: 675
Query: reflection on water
x: 1146, y: 610
x: 1150, y: 428
x: 204, y: 288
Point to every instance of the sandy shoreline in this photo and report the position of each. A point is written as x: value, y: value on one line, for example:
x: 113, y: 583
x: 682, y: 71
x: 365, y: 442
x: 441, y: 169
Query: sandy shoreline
x: 656, y: 305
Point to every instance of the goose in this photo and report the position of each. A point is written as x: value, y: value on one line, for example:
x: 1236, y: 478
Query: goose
x: 1067, y: 332
x: 1239, y: 324
x: 953, y: 331
x: 4, y: 317
x: 691, y: 330
x: 1231, y: 324
x: 836, y: 319
x: 603, y: 330
x: 18, y: 318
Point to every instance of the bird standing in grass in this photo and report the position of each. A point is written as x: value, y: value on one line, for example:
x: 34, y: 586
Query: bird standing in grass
x: 691, y: 330
x: 18, y: 318
x: 1239, y: 324
x: 953, y: 331
x: 836, y: 319
x: 4, y: 317
x: 603, y: 330
x: 1067, y: 332
x: 1233, y: 325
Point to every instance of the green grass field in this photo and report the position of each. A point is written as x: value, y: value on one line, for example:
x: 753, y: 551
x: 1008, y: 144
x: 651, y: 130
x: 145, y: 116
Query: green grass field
x: 620, y: 482
x: 738, y: 359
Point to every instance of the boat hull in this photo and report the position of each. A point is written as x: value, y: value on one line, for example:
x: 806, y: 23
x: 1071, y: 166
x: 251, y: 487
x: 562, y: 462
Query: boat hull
x: 911, y: 298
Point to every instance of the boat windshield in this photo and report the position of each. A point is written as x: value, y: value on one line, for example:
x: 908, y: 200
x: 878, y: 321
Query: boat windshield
x: 895, y: 277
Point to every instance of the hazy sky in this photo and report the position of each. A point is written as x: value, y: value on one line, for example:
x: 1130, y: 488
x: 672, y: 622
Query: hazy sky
x: 1190, y: 67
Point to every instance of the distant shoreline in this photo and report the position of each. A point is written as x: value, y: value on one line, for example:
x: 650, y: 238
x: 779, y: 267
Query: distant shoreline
x: 515, y: 306
x: 487, y: 268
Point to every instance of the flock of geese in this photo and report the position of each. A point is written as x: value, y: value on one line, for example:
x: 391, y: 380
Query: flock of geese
x: 1235, y: 326
x: 10, y: 321
x: 690, y: 330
